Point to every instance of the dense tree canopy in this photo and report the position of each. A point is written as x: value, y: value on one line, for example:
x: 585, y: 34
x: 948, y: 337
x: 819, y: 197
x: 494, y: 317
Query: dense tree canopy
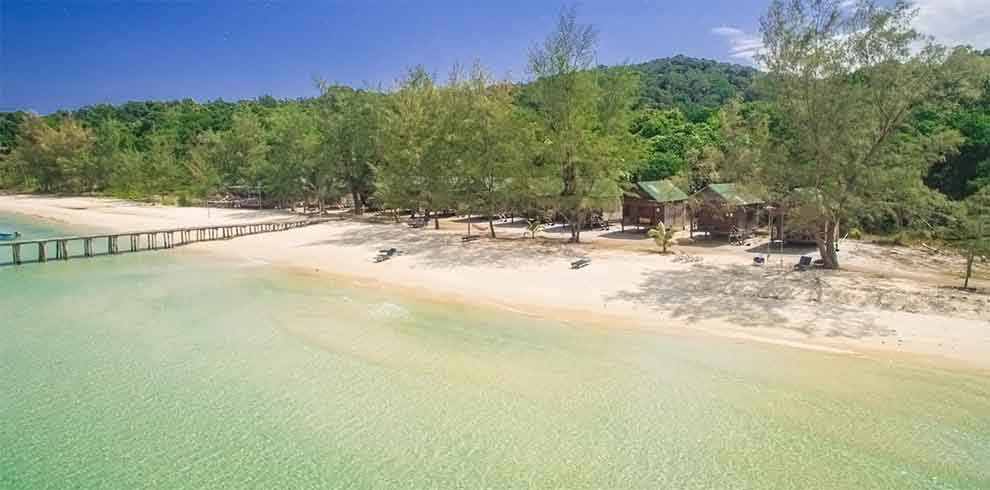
x: 698, y: 88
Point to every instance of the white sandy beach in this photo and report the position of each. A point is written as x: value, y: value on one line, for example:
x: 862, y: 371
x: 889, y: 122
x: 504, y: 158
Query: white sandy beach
x: 888, y: 304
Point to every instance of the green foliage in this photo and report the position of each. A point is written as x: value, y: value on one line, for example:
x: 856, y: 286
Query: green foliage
x: 697, y: 88
x: 294, y: 156
x: 9, y: 122
x: 673, y: 142
x: 662, y: 236
x: 970, y: 232
x: 966, y: 171
x: 583, y: 119
x: 845, y: 84
x: 418, y: 169
x: 51, y: 158
x: 496, y: 144
x: 533, y: 227
x: 352, y: 131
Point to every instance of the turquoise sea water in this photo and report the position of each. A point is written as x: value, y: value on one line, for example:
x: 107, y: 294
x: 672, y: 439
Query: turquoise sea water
x: 175, y: 370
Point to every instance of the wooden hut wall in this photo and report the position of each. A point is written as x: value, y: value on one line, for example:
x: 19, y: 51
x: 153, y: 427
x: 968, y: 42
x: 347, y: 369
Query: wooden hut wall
x: 646, y: 213
x: 720, y: 219
x: 675, y: 214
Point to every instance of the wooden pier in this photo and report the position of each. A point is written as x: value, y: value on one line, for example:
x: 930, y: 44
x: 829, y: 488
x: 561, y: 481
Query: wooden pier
x: 110, y: 243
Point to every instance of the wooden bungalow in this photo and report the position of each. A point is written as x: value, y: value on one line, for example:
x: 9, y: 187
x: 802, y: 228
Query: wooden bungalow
x: 239, y: 196
x: 724, y: 209
x: 789, y: 220
x: 649, y: 203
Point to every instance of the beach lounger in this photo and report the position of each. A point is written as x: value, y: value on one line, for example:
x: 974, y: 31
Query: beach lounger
x: 386, y: 254
x: 581, y: 263
x: 803, y: 263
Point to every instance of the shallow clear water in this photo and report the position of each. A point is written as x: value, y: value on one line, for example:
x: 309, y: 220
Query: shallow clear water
x: 170, y: 370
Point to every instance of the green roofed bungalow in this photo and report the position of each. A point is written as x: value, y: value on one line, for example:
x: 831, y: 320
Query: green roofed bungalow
x: 725, y: 209
x: 732, y: 194
x: 648, y: 203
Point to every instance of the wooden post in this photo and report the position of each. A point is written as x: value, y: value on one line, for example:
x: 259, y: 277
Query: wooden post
x: 42, y: 252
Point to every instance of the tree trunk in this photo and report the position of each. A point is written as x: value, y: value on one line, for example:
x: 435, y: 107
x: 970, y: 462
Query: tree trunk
x: 358, y: 206
x: 969, y: 268
x: 826, y: 246
x: 576, y: 227
x: 491, y: 225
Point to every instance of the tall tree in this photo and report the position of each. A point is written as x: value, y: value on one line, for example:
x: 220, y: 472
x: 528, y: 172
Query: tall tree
x: 971, y: 231
x: 584, y: 118
x: 496, y: 144
x: 293, y: 154
x: 418, y: 170
x: 846, y: 84
x: 352, y: 125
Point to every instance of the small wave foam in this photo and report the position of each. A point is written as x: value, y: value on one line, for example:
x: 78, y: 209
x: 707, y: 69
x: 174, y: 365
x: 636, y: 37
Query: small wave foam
x: 389, y: 310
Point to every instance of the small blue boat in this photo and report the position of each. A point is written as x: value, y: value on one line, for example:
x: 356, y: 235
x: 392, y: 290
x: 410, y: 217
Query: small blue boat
x: 9, y: 235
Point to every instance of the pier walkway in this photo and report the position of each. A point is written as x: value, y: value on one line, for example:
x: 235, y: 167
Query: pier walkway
x: 71, y: 247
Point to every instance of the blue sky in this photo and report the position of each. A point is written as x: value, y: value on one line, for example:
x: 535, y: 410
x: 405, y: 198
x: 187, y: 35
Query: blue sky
x: 65, y: 54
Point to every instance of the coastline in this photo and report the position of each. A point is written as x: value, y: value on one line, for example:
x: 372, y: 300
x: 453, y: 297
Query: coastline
x: 626, y: 286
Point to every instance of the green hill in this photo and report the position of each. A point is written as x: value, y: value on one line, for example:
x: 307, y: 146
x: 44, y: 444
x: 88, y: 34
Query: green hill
x: 696, y: 86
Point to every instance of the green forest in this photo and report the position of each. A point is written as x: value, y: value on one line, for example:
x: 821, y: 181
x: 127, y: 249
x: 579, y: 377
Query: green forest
x: 853, y: 117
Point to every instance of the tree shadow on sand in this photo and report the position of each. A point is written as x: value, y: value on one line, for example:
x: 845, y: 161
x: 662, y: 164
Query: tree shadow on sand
x: 789, y: 249
x: 427, y: 248
x: 257, y: 214
x: 629, y: 234
x: 752, y: 297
